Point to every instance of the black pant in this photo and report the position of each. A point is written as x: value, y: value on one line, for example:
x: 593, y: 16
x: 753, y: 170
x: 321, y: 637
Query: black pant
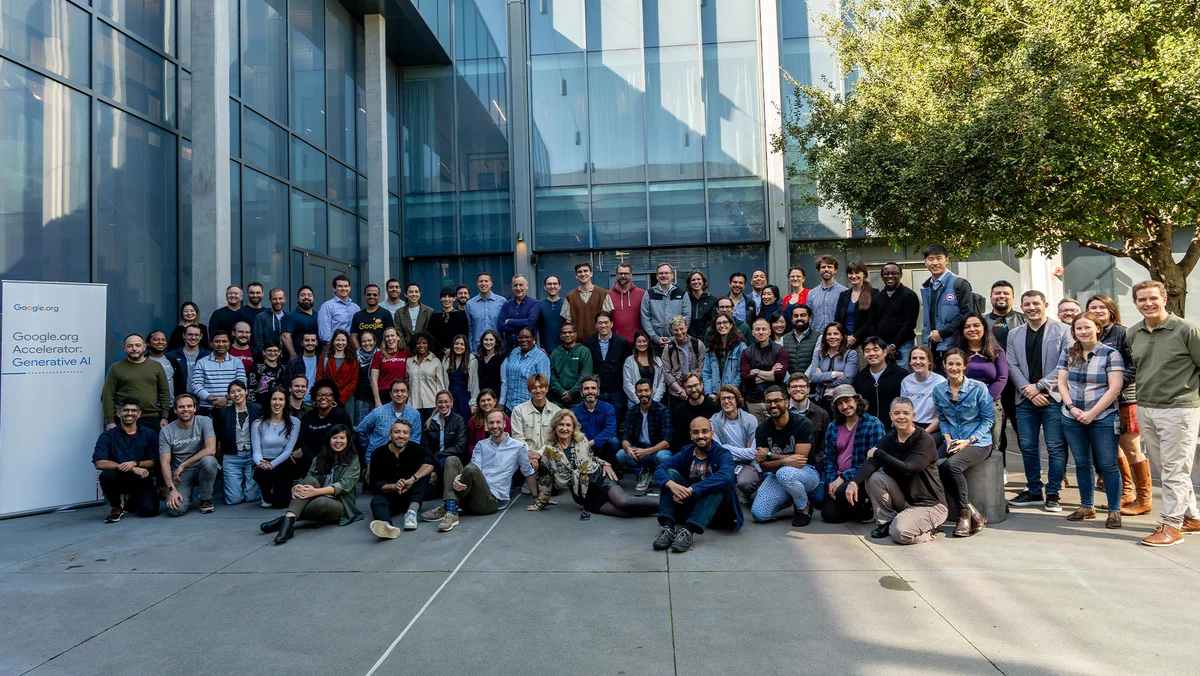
x: 1008, y: 402
x: 384, y: 506
x: 839, y: 510
x: 142, y: 498
x: 953, y: 469
x: 276, y: 484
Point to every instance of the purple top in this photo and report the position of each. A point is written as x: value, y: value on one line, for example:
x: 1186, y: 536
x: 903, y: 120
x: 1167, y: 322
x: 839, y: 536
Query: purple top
x: 845, y: 448
x: 994, y: 374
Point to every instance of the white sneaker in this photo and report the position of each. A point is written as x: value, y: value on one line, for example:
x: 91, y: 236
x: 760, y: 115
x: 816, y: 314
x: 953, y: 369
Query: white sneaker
x: 384, y: 530
x: 525, y: 490
x: 643, y: 481
x: 1005, y: 477
x: 410, y: 521
x: 264, y: 504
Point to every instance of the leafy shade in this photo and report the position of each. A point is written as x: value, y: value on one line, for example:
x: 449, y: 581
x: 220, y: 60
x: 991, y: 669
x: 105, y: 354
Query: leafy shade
x: 1025, y: 122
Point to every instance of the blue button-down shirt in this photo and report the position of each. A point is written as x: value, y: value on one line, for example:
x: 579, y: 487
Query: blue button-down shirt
x: 376, y: 429
x: 971, y: 416
x: 498, y: 462
x: 483, y: 314
x: 598, y: 425
x: 334, y: 314
x: 516, y: 371
x: 739, y: 308
x: 823, y: 303
x: 515, y: 316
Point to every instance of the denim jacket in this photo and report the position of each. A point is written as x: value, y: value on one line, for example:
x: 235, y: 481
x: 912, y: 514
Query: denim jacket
x: 716, y: 377
x: 971, y: 416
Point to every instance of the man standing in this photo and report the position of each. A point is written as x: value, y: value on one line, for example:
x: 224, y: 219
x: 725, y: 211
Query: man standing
x: 743, y: 310
x: 894, y: 314
x: 156, y: 342
x: 213, y: 373
x: 627, y: 303
x: 879, y: 383
x: 412, y: 319
x: 550, y: 317
x: 482, y: 487
x: 224, y: 318
x: 519, y: 312
x: 399, y: 472
x: 568, y: 364
x: 393, y: 301
x: 531, y: 418
x: 698, y: 486
x: 374, y: 430
x: 1004, y: 318
x: 682, y: 355
x: 1166, y: 350
x: 189, y: 354
x: 187, y: 454
x: 646, y: 438
x: 372, y: 318
x: 483, y: 311
x: 306, y: 363
x: 823, y: 298
x: 758, y: 282
x: 783, y: 443
x: 597, y: 420
x: 336, y: 312
x: 253, y: 307
x: 584, y: 302
x: 609, y: 352
x: 801, y: 341
x: 694, y: 405
x: 125, y: 456
x: 764, y: 364
x: 947, y: 300
x: 662, y: 302
x: 462, y: 294
x: 1034, y: 350
x: 297, y: 393
x: 298, y: 322
x: 241, y: 346
x: 268, y: 325
x: 138, y: 378
x: 1068, y: 310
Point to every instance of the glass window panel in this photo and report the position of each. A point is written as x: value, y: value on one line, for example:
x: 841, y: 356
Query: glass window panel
x: 619, y: 215
x: 264, y: 57
x: 482, y: 29
x: 186, y: 242
x: 802, y: 18
x: 809, y: 221
x: 428, y: 137
x: 809, y: 62
x: 297, y: 270
x: 674, y: 113
x: 561, y: 219
x: 677, y: 214
x: 50, y: 34
x: 732, y: 111
x: 185, y: 103
x: 339, y: 82
x: 556, y: 26
x: 151, y: 20
x: 671, y: 22
x: 394, y: 255
x: 560, y: 137
x: 264, y: 144
x: 360, y: 99
x: 394, y: 214
x: 343, y: 184
x: 614, y: 24
x: 443, y: 30
x: 729, y: 20
x: 235, y: 52
x: 429, y: 225
x: 135, y: 221
x: 616, y: 87
x: 45, y: 185
x: 432, y: 274
x: 185, y: 35
x: 343, y: 235
x: 393, y: 129
x: 308, y: 167
x: 724, y: 261
x: 235, y: 221
x: 361, y: 203
x: 307, y: 18
x: 264, y: 229
x: 499, y: 267
x: 235, y: 129
x: 736, y: 211
x: 308, y: 223
x: 482, y: 124
x: 485, y: 221
x: 128, y: 73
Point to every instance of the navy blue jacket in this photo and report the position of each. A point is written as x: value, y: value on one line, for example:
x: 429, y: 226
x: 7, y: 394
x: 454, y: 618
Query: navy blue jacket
x: 119, y: 447
x: 181, y: 367
x: 721, y: 478
x: 225, y: 426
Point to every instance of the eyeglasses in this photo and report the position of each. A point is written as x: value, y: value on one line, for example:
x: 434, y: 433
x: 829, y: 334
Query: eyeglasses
x: 323, y: 395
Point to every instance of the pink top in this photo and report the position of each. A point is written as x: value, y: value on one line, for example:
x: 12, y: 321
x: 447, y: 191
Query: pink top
x: 845, y: 447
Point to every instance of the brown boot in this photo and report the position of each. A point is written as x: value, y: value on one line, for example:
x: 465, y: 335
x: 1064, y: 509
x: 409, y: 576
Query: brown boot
x: 962, y: 529
x: 1163, y: 536
x: 1128, y: 494
x: 977, y: 520
x: 1143, y: 487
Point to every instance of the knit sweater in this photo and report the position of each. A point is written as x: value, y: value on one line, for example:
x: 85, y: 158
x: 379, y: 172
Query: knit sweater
x: 146, y: 381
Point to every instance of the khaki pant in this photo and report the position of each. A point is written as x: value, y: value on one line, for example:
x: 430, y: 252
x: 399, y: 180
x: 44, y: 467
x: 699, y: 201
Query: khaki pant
x: 322, y: 509
x: 478, y: 498
x: 1170, y: 438
x: 759, y: 411
x: 910, y: 525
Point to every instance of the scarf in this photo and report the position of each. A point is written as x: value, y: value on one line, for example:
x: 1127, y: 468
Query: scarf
x: 364, y: 358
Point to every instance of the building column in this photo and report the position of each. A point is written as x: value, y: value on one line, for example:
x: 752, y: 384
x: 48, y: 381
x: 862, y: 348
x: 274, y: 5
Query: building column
x: 210, y: 251
x: 519, y: 125
x: 376, y: 267
x: 778, y: 248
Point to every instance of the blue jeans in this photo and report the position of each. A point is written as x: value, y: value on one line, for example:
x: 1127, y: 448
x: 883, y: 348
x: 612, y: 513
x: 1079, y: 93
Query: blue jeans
x: 1095, y: 443
x: 359, y: 409
x: 239, y: 478
x: 698, y: 512
x: 902, y: 352
x: 647, y: 462
x: 608, y: 450
x: 1030, y: 418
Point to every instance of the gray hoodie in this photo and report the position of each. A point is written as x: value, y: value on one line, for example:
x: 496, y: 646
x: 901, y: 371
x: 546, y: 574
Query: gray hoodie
x: 658, y: 308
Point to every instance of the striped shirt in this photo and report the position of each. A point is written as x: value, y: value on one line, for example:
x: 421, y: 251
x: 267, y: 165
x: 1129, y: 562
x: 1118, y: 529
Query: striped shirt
x: 1088, y: 378
x: 211, y: 378
x: 516, y: 371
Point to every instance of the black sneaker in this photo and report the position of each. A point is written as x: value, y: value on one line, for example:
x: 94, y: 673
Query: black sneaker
x: 801, y: 519
x: 1052, y: 504
x: 114, y: 515
x: 882, y: 531
x: 666, y: 535
x: 683, y: 541
x: 1026, y: 499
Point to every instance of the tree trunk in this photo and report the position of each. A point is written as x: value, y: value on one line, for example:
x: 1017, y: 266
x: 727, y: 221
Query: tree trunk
x: 1162, y: 267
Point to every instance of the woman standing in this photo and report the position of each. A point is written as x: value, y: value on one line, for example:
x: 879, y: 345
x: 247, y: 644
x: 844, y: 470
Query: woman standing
x: 232, y: 426
x: 770, y: 305
x: 462, y: 376
x: 568, y: 463
x: 833, y: 364
x: 364, y: 391
x: 643, y: 364
x: 273, y: 442
x: 489, y: 360
x: 965, y: 416
x: 986, y: 363
x: 388, y: 365
x: 854, y: 305
x: 426, y: 376
x: 722, y: 362
x: 702, y: 304
x: 337, y: 364
x: 797, y: 296
x: 918, y: 388
x: 778, y: 327
x: 1090, y: 377
x: 189, y: 315
x: 447, y: 324
x: 326, y: 495
x: 1134, y: 466
x: 477, y: 423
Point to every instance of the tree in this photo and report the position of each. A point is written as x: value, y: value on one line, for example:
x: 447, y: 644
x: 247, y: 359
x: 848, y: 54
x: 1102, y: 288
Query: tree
x: 1025, y: 122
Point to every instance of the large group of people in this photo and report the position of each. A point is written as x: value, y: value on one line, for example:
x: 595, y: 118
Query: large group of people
x: 851, y: 402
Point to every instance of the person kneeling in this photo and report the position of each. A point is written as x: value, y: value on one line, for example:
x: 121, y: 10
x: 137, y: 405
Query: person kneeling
x: 569, y: 462
x: 907, y: 494
x: 471, y: 488
x: 398, y: 475
x: 783, y: 442
x: 326, y: 495
x: 187, y: 453
x: 126, y: 455
x: 698, y: 486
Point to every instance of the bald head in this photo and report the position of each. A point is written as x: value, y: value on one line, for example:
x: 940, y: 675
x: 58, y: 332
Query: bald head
x: 701, y: 433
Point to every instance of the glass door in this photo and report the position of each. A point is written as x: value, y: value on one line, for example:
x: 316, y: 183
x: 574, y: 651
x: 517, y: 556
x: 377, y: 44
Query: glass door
x: 318, y: 272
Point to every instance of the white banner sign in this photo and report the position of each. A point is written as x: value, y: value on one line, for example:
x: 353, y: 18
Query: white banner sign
x: 53, y: 369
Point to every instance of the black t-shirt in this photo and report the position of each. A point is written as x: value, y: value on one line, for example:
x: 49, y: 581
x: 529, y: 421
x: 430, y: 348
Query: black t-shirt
x: 224, y: 319
x: 682, y: 417
x: 1033, y: 352
x: 798, y: 430
x: 388, y: 468
x: 374, y: 322
x: 314, y: 430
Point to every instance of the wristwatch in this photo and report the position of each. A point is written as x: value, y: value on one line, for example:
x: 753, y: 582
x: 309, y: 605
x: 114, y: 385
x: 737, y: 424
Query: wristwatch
x: 768, y: 455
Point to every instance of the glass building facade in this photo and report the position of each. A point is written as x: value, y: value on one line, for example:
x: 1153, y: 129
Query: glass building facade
x: 522, y: 136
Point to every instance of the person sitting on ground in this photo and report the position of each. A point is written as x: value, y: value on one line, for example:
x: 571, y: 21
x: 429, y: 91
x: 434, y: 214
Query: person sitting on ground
x: 399, y: 471
x: 187, y: 454
x: 445, y: 433
x: 482, y: 486
x: 317, y: 423
x: 901, y: 477
x: 274, y: 444
x: 374, y: 430
x: 232, y: 426
x: 880, y: 382
x: 646, y: 439
x: 698, y: 487
x: 850, y: 434
x: 597, y: 419
x: 568, y: 462
x: 695, y: 404
x: 126, y: 455
x: 734, y: 429
x: 326, y: 495
x: 782, y: 445
x: 531, y: 418
x: 965, y: 417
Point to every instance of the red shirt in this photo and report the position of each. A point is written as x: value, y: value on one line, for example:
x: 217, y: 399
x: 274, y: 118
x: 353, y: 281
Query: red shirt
x: 627, y: 308
x: 247, y: 357
x: 390, y: 369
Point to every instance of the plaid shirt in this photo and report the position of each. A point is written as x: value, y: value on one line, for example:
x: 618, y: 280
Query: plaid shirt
x: 658, y: 422
x: 1088, y: 379
x: 867, y: 434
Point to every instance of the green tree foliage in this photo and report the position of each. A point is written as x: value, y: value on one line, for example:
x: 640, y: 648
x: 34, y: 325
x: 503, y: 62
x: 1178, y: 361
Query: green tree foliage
x: 1026, y: 122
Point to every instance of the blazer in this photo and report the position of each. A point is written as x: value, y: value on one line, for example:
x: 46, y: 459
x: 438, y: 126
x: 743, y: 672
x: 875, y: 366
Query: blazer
x: 609, y: 369
x: 1056, y: 339
x: 401, y: 321
x: 225, y: 426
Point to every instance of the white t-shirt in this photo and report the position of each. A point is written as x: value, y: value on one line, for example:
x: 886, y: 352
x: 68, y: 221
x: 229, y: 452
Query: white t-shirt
x: 921, y: 394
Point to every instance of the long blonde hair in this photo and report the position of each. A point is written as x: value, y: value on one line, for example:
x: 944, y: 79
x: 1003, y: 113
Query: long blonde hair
x: 578, y: 436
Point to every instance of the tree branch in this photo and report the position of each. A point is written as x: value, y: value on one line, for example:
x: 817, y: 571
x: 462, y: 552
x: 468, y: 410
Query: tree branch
x: 1193, y: 251
x: 1105, y: 248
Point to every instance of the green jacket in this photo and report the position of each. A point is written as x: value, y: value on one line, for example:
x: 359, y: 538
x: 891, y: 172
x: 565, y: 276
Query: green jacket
x: 565, y: 368
x: 343, y: 478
